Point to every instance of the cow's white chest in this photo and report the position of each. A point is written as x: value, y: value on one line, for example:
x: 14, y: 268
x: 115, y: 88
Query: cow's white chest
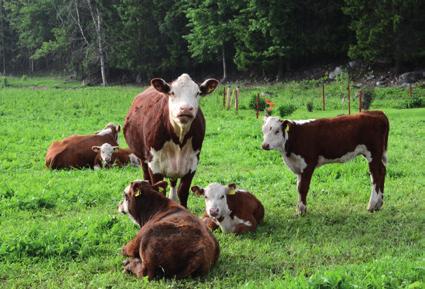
x: 228, y: 225
x: 296, y: 163
x: 173, y: 161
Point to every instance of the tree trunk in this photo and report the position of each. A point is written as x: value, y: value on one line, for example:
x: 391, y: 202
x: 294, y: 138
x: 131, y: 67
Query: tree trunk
x: 98, y: 27
x: 3, y: 48
x: 224, y: 65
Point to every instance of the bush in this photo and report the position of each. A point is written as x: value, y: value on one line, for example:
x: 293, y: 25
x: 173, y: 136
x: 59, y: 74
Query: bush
x: 368, y: 95
x: 261, y: 103
x: 309, y: 106
x: 413, y: 102
x: 286, y: 110
x: 4, y: 82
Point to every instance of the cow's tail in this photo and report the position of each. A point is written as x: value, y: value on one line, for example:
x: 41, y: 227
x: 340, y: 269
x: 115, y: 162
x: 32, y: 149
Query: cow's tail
x: 386, y: 133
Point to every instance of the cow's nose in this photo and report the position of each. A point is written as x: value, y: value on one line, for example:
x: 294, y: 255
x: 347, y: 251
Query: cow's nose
x: 266, y: 146
x: 214, y: 212
x: 186, y: 108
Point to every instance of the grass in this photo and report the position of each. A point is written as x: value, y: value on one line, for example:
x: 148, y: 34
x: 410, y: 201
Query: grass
x: 61, y: 229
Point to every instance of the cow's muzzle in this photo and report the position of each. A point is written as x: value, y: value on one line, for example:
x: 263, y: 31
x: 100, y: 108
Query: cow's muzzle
x: 266, y: 146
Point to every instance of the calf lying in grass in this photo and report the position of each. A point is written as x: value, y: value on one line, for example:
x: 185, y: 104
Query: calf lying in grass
x: 306, y: 145
x: 108, y: 156
x: 171, y: 242
x: 232, y: 210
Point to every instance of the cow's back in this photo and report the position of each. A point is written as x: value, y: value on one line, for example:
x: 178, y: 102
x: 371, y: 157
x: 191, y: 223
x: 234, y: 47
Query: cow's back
x: 75, y: 151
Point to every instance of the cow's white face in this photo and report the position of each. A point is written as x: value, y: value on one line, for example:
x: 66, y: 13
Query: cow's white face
x: 215, y: 199
x: 183, y: 96
x: 106, y: 151
x: 274, y: 136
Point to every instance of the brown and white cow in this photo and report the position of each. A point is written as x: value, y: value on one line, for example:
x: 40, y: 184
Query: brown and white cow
x: 76, y: 151
x: 109, y: 156
x: 171, y: 242
x: 306, y: 145
x: 233, y: 210
x: 165, y: 128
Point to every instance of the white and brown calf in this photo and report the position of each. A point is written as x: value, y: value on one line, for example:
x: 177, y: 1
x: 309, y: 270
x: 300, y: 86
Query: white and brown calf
x: 233, y: 210
x: 108, y: 156
x: 306, y: 145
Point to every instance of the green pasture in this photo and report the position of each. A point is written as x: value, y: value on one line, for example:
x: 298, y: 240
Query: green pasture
x: 61, y: 229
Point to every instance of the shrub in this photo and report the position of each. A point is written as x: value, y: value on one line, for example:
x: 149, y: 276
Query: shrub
x: 413, y: 102
x: 4, y: 82
x: 261, y: 103
x: 286, y: 110
x: 309, y: 106
x: 368, y: 95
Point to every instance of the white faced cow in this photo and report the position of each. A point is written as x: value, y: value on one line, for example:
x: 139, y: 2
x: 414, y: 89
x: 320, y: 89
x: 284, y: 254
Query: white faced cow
x: 108, y: 156
x: 305, y: 145
x: 165, y: 128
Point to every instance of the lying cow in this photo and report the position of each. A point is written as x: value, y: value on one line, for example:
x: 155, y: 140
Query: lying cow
x: 171, y: 242
x: 306, y: 145
x: 165, y: 128
x: 76, y: 151
x: 232, y: 210
x: 108, y: 156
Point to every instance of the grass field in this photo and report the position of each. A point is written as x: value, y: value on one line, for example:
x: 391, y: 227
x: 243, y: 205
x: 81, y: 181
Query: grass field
x: 61, y: 229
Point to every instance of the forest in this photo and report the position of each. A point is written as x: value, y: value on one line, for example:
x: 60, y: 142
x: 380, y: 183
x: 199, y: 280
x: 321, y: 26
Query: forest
x: 104, y: 41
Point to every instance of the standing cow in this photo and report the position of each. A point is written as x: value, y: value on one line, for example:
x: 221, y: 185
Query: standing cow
x: 165, y: 128
x: 306, y: 145
x: 76, y: 151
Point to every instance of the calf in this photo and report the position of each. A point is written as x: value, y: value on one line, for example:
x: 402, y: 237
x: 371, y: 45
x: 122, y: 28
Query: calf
x: 305, y: 145
x: 76, y: 151
x: 171, y: 242
x: 165, y: 128
x: 108, y: 156
x: 232, y: 210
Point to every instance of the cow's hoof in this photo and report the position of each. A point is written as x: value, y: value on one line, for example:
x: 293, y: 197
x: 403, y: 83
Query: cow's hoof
x: 301, y: 209
x: 375, y: 203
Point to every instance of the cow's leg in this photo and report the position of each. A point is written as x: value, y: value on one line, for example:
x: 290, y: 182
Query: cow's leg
x: 131, y: 249
x: 377, y: 172
x: 183, y: 191
x: 173, y: 190
x: 303, y: 184
x: 146, y: 173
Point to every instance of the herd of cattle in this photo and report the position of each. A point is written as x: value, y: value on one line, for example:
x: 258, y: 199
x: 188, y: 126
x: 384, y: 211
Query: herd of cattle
x: 165, y: 129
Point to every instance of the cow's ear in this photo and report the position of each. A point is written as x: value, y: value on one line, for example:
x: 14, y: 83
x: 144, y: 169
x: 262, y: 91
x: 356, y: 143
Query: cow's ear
x: 95, y: 148
x: 208, y: 86
x: 115, y: 148
x: 160, y: 186
x: 231, y: 189
x: 285, y: 125
x: 118, y: 128
x: 136, y: 188
x: 161, y: 85
x: 197, y: 190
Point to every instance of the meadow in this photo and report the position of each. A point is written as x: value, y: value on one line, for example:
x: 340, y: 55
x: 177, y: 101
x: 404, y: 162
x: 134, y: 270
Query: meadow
x: 61, y: 229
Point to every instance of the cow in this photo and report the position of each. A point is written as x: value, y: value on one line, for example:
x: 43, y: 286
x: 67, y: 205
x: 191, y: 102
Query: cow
x: 108, y: 156
x: 172, y: 242
x: 165, y: 128
x: 233, y: 210
x: 306, y: 145
x: 76, y: 151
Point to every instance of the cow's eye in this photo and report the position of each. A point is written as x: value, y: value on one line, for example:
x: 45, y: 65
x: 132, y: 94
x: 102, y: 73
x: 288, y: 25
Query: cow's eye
x: 172, y: 93
x: 205, y: 197
x: 222, y: 197
x: 126, y: 197
x: 276, y: 132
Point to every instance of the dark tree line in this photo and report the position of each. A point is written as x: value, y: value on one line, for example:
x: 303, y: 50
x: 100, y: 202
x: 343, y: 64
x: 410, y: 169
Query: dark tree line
x: 138, y: 39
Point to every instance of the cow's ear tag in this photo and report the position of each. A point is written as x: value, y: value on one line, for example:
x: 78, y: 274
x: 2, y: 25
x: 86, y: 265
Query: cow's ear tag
x: 232, y: 191
x: 137, y: 193
x: 161, y: 190
x: 287, y: 128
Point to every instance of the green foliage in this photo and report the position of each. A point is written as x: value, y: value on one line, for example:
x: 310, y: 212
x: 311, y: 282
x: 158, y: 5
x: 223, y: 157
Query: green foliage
x: 260, y: 106
x: 368, y: 96
x: 4, y: 82
x: 286, y: 110
x: 413, y: 102
x: 309, y: 106
x: 63, y: 226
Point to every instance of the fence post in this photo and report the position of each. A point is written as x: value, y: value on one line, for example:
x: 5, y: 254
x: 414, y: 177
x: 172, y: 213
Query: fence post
x: 323, y: 97
x: 360, y: 99
x: 410, y: 90
x: 349, y: 96
x: 229, y: 97
x: 224, y: 96
x: 237, y: 99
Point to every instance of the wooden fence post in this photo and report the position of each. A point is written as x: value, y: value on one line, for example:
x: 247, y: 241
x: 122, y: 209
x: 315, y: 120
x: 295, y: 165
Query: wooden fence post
x: 224, y: 96
x: 360, y: 93
x: 323, y: 97
x: 257, y: 103
x: 349, y: 96
x: 237, y: 99
x: 229, y: 97
x: 410, y: 90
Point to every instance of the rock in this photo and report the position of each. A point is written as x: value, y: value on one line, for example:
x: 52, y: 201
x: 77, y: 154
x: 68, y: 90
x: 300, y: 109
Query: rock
x: 411, y: 77
x: 333, y: 74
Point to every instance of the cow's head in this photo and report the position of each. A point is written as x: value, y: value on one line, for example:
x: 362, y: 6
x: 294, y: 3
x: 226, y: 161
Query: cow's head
x: 216, y: 198
x: 183, y: 96
x: 274, y: 133
x: 111, y: 129
x: 141, y: 200
x: 106, y: 151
